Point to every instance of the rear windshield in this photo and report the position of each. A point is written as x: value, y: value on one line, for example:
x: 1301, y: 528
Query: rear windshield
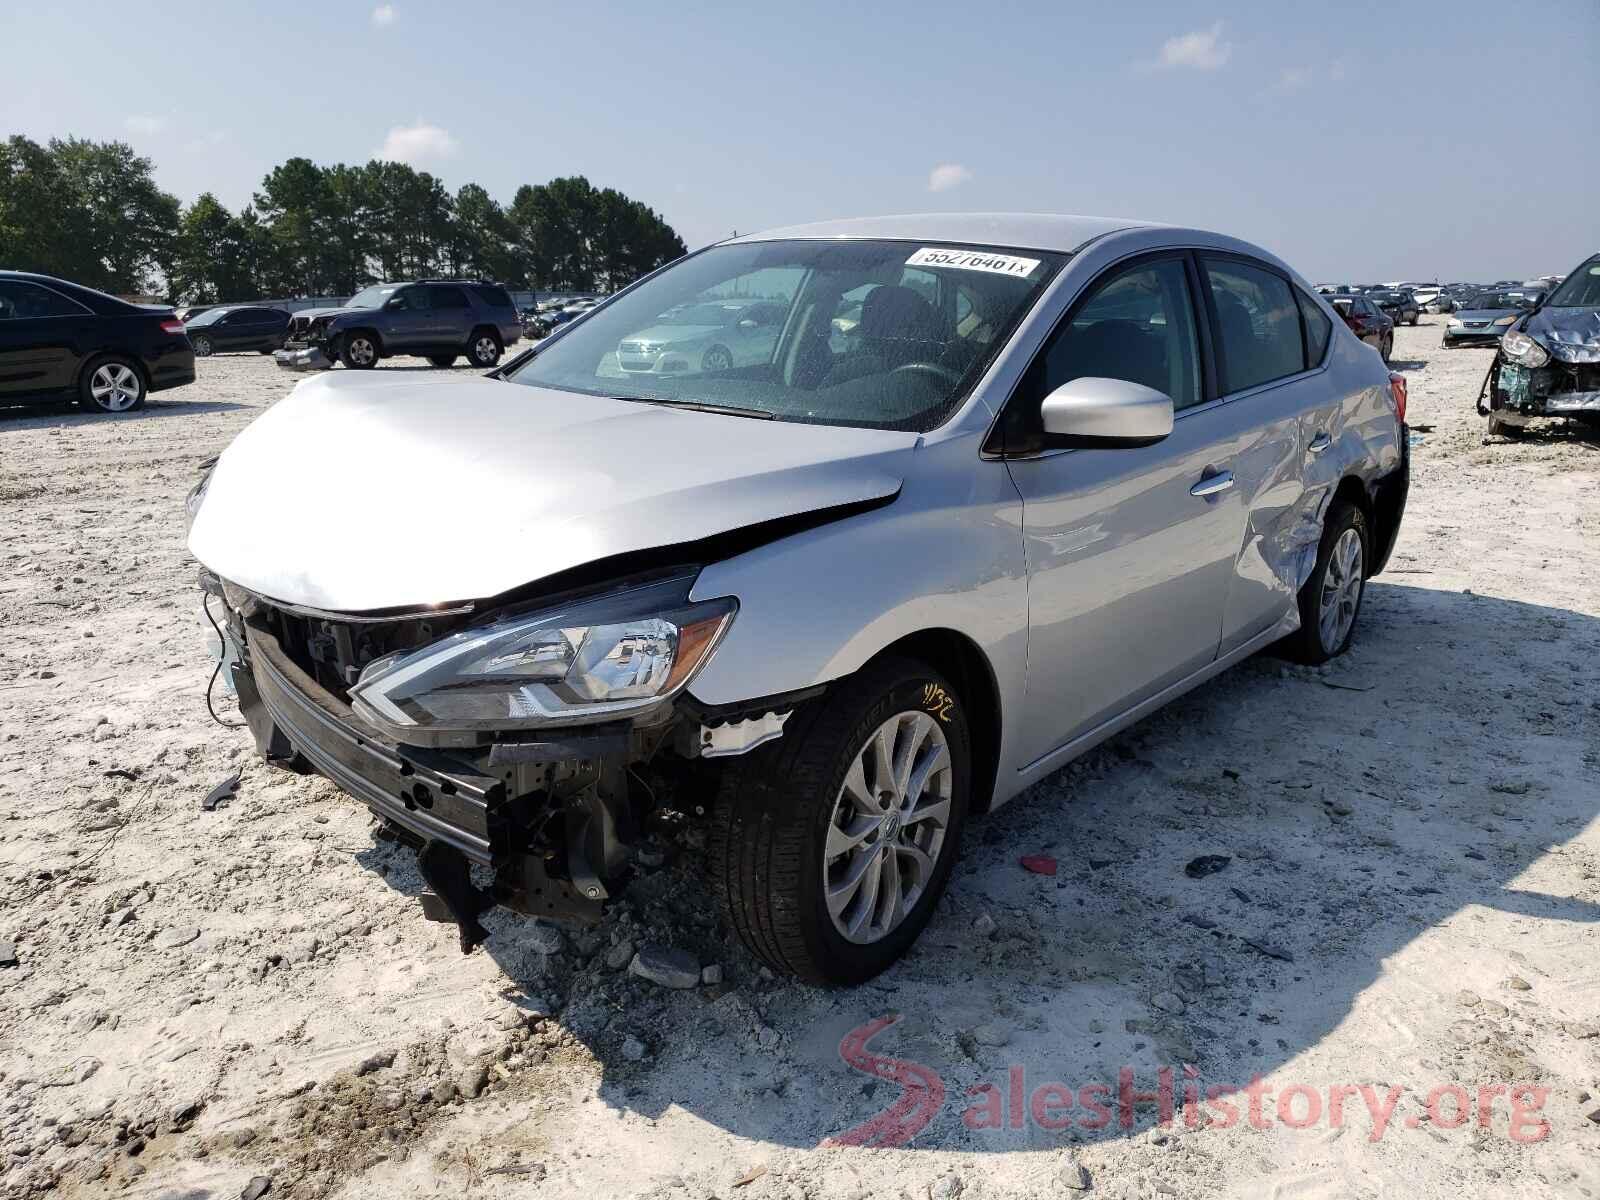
x: 877, y: 334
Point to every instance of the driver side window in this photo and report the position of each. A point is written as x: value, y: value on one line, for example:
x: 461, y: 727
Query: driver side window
x: 1137, y: 325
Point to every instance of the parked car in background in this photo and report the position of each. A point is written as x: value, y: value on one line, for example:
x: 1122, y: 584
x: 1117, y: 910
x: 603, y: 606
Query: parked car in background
x: 704, y: 337
x: 1400, y: 304
x: 1367, y: 321
x: 61, y: 341
x: 1435, y: 300
x: 1063, y: 471
x: 191, y: 311
x: 1483, y: 318
x: 218, y: 330
x: 1549, y: 360
x: 436, y: 319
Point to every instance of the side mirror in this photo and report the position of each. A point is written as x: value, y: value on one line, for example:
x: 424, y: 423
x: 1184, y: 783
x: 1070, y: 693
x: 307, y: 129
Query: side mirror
x: 1098, y: 413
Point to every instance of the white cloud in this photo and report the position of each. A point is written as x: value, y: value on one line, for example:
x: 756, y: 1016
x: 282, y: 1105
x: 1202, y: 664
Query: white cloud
x: 144, y: 125
x: 383, y: 15
x: 1203, y: 49
x: 946, y: 176
x: 417, y: 144
x: 1292, y: 79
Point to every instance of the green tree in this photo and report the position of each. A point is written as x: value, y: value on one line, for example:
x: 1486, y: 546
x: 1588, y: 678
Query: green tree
x: 214, y: 259
x: 131, y: 223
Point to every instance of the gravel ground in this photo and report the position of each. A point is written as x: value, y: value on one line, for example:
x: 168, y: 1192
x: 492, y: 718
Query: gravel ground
x: 1404, y: 893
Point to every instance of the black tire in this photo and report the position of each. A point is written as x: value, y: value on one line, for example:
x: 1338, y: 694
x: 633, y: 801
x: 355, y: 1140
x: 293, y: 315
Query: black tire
x: 359, y: 350
x: 106, y: 384
x: 1386, y: 346
x: 1415, y: 317
x: 716, y: 358
x: 776, y: 806
x: 442, y: 360
x: 1306, y: 645
x: 1499, y: 428
x: 484, y: 348
x: 202, y: 345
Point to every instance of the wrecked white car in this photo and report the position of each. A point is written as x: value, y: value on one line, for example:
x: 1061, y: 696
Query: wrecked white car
x: 829, y: 599
x: 1549, y: 360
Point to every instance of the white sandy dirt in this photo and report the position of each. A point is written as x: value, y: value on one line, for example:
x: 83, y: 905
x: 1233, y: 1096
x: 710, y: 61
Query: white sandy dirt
x: 1411, y: 900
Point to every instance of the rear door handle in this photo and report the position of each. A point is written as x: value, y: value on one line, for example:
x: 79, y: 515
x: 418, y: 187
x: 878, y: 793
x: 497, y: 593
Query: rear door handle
x: 1320, y: 443
x: 1212, y: 484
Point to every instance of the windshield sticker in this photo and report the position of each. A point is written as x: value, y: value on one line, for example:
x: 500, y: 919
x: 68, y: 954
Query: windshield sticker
x: 973, y: 260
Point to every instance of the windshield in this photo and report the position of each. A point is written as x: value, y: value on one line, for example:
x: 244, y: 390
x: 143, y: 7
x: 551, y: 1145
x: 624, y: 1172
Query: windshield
x: 210, y: 317
x: 372, y: 297
x: 1581, y: 289
x: 1494, y: 300
x: 878, y: 334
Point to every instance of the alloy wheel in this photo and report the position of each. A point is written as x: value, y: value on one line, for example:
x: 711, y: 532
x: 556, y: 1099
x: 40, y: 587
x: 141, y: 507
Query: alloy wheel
x: 202, y: 346
x: 1341, y: 590
x: 888, y: 827
x: 115, y: 387
x: 485, y: 350
x: 362, y: 351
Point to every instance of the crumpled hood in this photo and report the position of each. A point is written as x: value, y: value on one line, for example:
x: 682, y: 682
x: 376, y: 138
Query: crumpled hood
x: 361, y: 492
x: 1571, y: 334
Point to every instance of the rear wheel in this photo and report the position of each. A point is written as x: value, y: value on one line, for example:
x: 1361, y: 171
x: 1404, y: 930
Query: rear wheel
x: 484, y: 349
x: 1330, y: 601
x: 1386, y: 346
x: 831, y: 846
x: 113, y: 384
x: 442, y: 360
x: 202, y: 345
x: 359, y: 351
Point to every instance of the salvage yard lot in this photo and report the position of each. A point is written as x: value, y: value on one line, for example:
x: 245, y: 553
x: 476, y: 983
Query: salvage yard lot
x: 1410, y: 899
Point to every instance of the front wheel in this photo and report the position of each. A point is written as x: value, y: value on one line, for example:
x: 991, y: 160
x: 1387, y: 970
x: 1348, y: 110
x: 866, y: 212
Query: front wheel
x: 717, y: 358
x: 1330, y: 600
x: 202, y: 345
x: 831, y: 846
x: 358, y: 351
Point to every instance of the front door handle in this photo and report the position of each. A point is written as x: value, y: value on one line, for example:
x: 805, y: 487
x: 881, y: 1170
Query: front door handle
x: 1212, y: 484
x: 1320, y: 443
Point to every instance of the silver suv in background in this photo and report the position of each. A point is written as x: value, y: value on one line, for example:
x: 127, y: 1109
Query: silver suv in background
x: 436, y: 319
x: 996, y: 487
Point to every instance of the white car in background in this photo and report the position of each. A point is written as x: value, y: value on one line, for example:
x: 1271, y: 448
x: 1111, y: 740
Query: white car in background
x: 704, y: 337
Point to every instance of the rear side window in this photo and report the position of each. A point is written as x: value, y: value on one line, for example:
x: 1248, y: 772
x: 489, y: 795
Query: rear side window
x: 1258, y: 324
x: 448, y: 297
x: 22, y: 301
x: 1318, y: 329
x: 495, y: 297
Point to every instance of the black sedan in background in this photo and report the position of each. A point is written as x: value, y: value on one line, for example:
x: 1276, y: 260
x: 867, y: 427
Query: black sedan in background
x: 59, y: 341
x: 220, y: 329
x: 1399, y: 304
x: 1367, y: 321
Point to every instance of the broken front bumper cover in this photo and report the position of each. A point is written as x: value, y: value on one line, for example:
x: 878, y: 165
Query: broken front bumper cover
x: 302, y: 358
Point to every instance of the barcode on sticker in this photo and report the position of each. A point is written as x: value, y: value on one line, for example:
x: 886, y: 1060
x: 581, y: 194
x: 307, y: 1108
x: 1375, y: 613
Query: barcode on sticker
x: 973, y: 260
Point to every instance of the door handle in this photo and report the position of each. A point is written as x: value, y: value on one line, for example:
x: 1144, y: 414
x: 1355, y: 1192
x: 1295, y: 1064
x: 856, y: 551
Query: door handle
x: 1212, y: 484
x: 1320, y: 443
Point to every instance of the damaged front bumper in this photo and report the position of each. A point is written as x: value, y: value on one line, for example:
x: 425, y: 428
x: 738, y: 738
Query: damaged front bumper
x: 545, y: 818
x: 302, y: 358
x: 1558, y: 389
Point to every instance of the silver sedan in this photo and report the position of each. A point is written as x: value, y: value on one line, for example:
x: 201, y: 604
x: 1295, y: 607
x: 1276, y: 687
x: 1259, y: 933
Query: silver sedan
x: 988, y: 490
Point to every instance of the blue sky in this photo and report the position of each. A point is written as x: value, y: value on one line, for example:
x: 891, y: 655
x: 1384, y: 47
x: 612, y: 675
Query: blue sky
x: 1359, y: 141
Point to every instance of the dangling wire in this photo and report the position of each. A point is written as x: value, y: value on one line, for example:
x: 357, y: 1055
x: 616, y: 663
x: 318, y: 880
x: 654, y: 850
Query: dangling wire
x: 205, y: 607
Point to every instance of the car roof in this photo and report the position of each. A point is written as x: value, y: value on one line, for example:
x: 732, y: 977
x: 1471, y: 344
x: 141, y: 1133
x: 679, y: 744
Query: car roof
x: 1034, y: 231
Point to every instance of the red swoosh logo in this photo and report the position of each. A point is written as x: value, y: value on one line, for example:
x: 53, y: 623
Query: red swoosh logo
x: 921, y: 1096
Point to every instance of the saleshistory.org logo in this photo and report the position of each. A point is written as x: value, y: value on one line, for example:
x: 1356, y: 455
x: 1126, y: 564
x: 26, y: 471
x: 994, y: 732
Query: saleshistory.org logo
x: 1098, y: 1106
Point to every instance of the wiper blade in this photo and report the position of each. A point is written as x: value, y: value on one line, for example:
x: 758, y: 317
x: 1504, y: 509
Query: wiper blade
x: 727, y: 410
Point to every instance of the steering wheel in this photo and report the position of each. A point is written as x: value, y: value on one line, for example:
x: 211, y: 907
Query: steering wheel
x: 933, y: 370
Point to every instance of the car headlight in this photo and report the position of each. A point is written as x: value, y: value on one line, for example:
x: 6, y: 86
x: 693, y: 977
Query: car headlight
x: 622, y: 654
x: 1523, y: 350
x: 1511, y: 320
x: 1453, y: 323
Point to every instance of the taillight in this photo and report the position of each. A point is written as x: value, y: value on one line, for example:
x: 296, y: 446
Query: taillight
x: 1397, y: 389
x: 172, y: 325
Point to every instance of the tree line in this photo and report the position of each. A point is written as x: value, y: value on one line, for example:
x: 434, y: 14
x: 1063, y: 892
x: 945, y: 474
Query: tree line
x: 92, y: 212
